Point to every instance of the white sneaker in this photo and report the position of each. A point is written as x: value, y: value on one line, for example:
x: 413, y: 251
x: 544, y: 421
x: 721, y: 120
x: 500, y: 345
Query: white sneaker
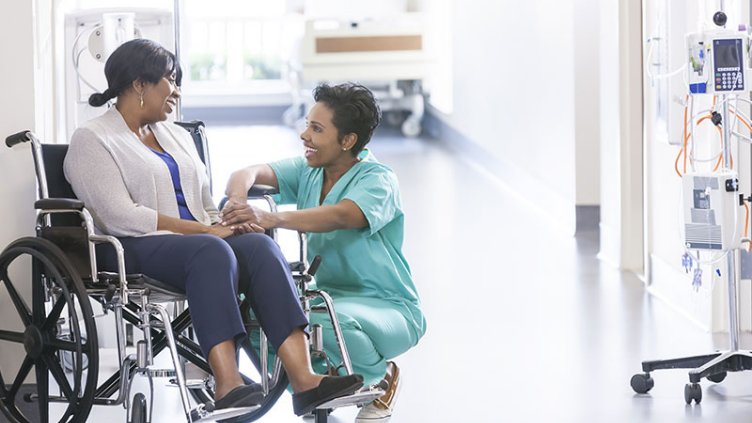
x: 380, y: 410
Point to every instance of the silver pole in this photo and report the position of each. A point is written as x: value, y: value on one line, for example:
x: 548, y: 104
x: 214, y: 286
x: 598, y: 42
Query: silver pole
x: 725, y: 132
x: 176, y: 29
x: 733, y: 255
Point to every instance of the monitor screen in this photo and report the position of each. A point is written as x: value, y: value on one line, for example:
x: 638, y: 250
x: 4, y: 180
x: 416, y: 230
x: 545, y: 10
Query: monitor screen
x: 726, y: 54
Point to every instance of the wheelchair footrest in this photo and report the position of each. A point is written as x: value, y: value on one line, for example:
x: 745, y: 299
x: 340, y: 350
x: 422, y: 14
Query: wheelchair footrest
x: 363, y: 396
x: 206, y: 412
x: 193, y: 383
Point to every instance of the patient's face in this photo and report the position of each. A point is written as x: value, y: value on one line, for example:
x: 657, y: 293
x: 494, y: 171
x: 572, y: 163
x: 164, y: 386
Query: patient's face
x: 320, y: 138
x: 160, y: 99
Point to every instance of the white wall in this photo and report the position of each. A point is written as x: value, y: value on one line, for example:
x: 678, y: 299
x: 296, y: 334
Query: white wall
x: 587, y: 102
x: 17, y: 109
x: 621, y: 134
x: 514, y: 96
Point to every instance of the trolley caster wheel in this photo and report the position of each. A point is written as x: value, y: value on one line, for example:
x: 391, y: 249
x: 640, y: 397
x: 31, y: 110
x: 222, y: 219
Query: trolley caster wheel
x: 411, y: 127
x: 692, y: 391
x: 642, y: 383
x: 138, y: 409
x: 393, y: 118
x: 718, y: 377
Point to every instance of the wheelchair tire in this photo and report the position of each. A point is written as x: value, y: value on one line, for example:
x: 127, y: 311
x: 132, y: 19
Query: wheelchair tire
x: 275, y: 391
x: 138, y: 408
x: 54, y: 279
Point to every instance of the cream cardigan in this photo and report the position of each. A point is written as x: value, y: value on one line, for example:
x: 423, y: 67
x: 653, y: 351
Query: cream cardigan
x: 125, y: 185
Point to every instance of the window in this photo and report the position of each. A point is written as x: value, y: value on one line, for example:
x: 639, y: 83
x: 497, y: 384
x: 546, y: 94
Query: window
x: 233, y: 47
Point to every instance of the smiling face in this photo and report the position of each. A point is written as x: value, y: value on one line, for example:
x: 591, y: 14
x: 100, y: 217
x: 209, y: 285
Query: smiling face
x: 321, y: 139
x: 160, y: 99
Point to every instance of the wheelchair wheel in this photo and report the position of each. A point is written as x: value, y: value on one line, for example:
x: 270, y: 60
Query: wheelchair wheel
x: 54, y: 283
x: 275, y: 391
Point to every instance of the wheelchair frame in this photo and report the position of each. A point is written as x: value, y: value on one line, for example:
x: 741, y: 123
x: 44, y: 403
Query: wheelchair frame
x: 134, y: 298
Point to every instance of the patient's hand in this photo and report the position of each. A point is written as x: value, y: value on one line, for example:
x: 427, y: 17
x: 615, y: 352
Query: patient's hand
x: 220, y: 231
x: 246, y: 228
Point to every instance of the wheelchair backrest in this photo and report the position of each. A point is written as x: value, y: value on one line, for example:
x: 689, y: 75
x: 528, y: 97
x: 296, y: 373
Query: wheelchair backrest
x: 53, y: 156
x: 196, y: 129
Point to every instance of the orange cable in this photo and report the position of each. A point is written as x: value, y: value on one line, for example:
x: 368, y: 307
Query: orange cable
x: 676, y: 162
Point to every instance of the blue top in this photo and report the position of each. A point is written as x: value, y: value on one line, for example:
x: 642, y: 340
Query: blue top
x: 185, y: 213
x: 365, y: 262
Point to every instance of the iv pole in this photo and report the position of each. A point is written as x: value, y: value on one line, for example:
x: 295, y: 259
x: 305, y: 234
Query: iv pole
x: 714, y: 366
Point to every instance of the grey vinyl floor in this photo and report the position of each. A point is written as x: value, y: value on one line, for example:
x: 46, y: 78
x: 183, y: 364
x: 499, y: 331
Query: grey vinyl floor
x: 525, y: 324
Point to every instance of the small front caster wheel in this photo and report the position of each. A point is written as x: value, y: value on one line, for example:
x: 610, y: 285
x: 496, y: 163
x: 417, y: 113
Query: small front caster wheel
x: 138, y: 408
x: 642, y: 383
x: 411, y: 127
x: 692, y: 391
x: 718, y: 377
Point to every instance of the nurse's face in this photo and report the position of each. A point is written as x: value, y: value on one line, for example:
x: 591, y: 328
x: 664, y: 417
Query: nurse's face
x: 321, y: 141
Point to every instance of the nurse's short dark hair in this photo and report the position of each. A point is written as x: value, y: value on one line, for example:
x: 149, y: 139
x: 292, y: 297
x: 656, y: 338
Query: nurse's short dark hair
x: 355, y: 110
x: 136, y: 60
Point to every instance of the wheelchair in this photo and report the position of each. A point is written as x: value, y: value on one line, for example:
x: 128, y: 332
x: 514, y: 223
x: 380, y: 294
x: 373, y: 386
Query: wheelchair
x: 60, y: 336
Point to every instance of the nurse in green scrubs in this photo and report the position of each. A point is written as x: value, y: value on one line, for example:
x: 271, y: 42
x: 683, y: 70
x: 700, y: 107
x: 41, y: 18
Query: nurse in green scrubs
x: 349, y: 205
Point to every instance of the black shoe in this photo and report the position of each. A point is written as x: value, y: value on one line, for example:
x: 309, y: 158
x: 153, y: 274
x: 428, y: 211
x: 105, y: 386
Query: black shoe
x: 242, y: 396
x: 329, y: 388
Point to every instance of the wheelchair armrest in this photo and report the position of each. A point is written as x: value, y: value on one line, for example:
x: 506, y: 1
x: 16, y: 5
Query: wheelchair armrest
x: 297, y: 266
x: 257, y: 191
x: 59, y: 204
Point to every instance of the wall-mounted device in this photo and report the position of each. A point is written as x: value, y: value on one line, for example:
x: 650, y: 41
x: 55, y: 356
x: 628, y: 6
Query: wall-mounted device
x: 90, y: 36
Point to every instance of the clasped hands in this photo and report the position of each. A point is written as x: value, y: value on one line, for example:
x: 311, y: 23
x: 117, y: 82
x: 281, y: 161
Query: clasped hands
x: 242, y: 218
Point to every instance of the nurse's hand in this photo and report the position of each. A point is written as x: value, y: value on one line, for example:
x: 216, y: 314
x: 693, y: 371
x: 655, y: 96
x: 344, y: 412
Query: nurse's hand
x: 232, y: 202
x: 235, y: 214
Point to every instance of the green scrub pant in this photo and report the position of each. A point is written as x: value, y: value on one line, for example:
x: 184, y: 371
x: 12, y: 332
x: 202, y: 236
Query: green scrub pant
x: 374, y: 331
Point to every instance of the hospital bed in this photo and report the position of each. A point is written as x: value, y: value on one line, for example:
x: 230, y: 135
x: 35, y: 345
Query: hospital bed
x: 389, y: 54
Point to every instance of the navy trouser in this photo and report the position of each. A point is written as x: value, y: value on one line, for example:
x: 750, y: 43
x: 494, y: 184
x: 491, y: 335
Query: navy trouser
x: 209, y: 270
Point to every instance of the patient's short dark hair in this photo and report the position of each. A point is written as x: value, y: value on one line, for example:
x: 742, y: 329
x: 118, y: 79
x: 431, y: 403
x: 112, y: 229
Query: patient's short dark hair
x: 136, y: 60
x: 355, y: 110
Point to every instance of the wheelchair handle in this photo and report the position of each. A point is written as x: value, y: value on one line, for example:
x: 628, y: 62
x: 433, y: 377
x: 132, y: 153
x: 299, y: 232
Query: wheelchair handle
x: 17, y: 138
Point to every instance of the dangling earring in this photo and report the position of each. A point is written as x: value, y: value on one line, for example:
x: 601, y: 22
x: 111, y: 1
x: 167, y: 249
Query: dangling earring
x: 141, y: 102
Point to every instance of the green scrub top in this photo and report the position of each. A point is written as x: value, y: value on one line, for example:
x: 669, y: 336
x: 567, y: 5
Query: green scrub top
x: 365, y: 262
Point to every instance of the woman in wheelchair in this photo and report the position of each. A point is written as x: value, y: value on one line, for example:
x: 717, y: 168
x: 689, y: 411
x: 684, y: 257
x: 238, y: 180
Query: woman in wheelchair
x: 349, y: 204
x: 143, y: 182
